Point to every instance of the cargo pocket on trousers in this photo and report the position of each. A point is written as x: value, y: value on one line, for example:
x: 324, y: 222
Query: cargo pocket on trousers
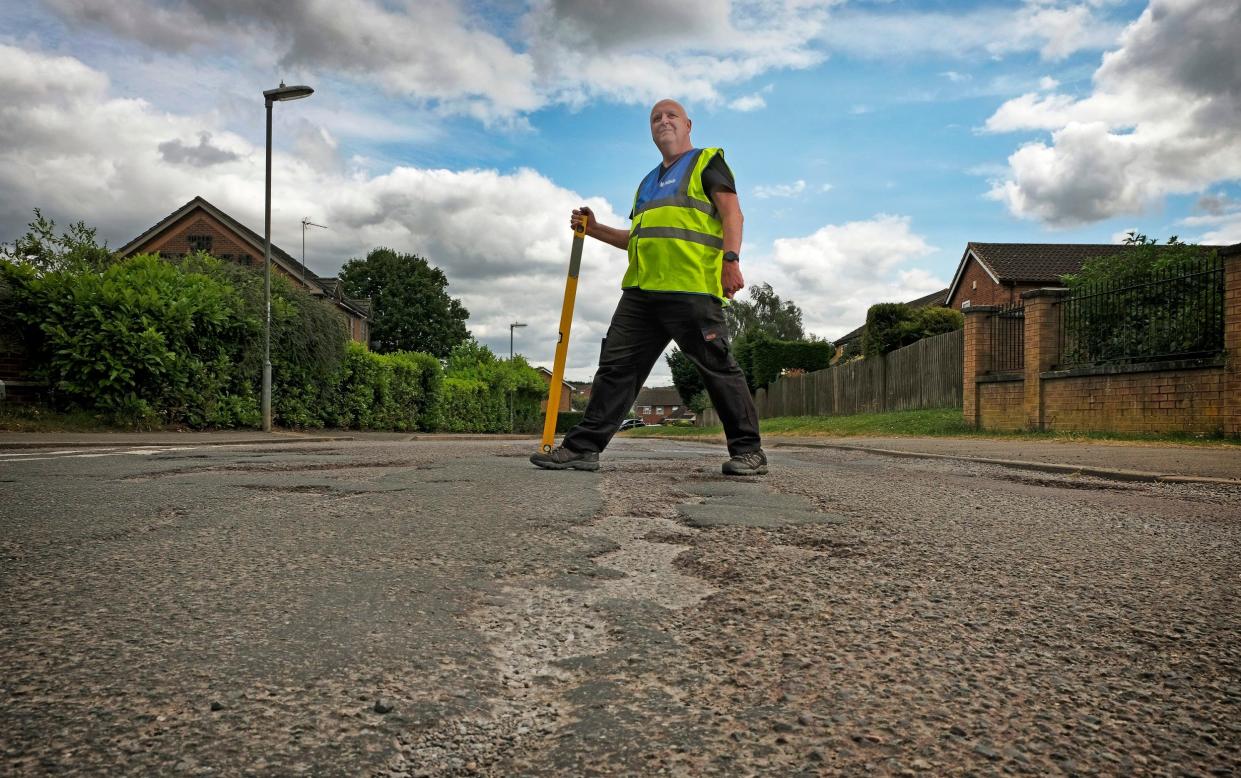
x: 716, y: 348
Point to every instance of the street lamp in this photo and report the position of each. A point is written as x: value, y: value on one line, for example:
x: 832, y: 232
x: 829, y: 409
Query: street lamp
x: 280, y: 93
x: 511, y: 327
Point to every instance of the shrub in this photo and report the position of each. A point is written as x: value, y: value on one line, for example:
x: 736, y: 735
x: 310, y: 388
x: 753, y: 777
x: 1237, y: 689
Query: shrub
x: 143, y: 341
x: 763, y: 358
x: 480, y: 392
x: 890, y: 326
x: 1153, y: 301
x: 308, y: 338
x: 567, y: 420
x: 399, y: 391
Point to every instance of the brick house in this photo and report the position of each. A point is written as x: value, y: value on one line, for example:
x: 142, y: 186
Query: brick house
x: 997, y: 273
x: 653, y: 406
x: 200, y: 226
x: 566, y: 392
x: 1197, y: 392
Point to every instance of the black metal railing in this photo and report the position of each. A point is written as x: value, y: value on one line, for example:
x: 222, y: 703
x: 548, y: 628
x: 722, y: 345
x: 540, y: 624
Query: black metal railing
x: 1008, y: 338
x: 1171, y: 314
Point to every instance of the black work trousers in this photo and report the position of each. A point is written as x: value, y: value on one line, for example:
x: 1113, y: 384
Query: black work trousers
x: 642, y: 326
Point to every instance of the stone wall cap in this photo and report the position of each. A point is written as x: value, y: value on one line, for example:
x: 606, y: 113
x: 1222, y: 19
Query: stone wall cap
x: 1230, y: 251
x: 1050, y: 291
x: 980, y: 309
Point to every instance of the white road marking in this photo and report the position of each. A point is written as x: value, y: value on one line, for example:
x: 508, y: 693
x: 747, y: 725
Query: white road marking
x: 142, y: 451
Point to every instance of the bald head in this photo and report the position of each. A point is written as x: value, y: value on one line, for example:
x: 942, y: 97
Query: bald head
x: 670, y: 128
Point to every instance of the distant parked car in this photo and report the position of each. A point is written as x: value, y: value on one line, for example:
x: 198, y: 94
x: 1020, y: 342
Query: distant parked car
x: 629, y: 424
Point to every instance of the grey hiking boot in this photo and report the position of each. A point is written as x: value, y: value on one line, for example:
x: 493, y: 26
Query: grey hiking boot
x: 561, y: 458
x: 749, y: 463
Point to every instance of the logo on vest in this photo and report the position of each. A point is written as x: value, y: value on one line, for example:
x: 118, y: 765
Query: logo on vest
x: 669, y: 182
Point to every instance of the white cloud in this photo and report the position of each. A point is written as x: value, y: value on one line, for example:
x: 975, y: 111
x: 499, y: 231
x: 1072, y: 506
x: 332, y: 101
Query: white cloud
x: 956, y: 77
x: 495, y: 69
x: 1053, y: 28
x: 748, y: 103
x: 501, y: 238
x: 1161, y: 120
x: 1219, y: 211
x: 839, y: 271
x: 1047, y: 83
x: 780, y: 190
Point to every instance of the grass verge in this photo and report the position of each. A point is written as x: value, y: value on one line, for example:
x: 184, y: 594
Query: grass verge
x: 946, y: 422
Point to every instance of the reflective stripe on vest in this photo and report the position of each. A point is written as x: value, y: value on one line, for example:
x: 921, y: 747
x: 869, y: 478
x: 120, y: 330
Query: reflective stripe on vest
x: 676, y: 242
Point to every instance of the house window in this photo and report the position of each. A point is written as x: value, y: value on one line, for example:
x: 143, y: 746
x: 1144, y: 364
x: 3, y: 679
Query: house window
x: 659, y: 410
x: 646, y: 410
x: 965, y: 304
x: 199, y: 243
x: 245, y: 259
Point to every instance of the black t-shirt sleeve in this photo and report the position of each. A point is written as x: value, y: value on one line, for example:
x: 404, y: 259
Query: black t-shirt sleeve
x: 718, y: 177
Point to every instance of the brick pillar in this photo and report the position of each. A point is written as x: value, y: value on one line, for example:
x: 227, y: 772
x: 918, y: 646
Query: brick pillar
x: 977, y: 358
x: 1042, y: 330
x: 1232, y: 339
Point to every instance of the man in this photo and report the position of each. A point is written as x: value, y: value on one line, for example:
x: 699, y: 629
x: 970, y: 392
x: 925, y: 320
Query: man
x: 683, y: 247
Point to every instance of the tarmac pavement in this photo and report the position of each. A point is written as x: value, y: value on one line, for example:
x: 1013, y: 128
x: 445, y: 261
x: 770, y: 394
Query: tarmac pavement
x: 1109, y: 459
x: 411, y: 606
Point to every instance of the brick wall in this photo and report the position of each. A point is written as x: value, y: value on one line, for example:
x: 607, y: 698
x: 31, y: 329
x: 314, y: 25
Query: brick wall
x: 1002, y: 405
x: 1151, y: 401
x: 1202, y: 396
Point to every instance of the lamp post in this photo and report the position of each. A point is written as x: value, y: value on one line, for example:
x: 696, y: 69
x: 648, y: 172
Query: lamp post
x: 279, y: 94
x: 510, y: 338
x: 511, y: 327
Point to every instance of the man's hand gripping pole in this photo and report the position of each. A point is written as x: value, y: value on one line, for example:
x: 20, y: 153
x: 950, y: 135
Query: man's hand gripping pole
x: 562, y: 345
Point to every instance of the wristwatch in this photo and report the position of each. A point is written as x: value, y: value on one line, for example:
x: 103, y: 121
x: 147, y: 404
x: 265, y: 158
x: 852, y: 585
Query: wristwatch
x: 731, y: 256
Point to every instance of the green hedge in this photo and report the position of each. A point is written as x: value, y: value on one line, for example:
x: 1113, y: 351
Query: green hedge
x: 398, y: 391
x: 481, y: 391
x: 567, y: 420
x: 763, y: 358
x: 143, y: 341
x: 890, y: 326
x: 148, y: 341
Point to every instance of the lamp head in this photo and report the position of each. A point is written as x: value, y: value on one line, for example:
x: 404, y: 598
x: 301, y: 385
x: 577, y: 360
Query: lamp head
x: 282, y: 93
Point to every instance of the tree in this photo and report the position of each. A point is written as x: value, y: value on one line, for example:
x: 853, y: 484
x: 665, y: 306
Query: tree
x: 764, y: 312
x: 75, y: 250
x: 686, y: 379
x: 411, y: 309
x: 890, y: 326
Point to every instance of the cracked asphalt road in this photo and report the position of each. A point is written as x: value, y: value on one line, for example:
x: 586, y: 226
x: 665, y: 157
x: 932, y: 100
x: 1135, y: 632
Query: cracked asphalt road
x: 441, y: 608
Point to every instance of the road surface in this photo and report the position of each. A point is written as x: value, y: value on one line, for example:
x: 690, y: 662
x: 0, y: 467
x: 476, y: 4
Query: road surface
x: 434, y: 607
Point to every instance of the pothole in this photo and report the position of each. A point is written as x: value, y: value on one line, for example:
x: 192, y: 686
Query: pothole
x: 536, y: 632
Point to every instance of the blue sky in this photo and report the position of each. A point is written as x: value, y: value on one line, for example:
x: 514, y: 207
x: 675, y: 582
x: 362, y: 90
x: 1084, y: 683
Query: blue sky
x: 870, y: 140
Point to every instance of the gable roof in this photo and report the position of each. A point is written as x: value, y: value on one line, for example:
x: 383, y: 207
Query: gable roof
x: 659, y: 395
x: 548, y: 375
x: 292, y: 266
x: 926, y: 301
x: 1033, y: 263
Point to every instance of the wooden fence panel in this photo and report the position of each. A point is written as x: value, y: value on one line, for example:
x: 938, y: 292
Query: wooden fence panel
x: 927, y: 374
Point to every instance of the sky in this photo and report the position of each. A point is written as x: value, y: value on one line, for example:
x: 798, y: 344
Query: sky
x: 870, y: 140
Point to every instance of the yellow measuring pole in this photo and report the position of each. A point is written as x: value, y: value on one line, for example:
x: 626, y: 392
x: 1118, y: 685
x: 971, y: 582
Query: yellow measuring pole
x: 562, y: 345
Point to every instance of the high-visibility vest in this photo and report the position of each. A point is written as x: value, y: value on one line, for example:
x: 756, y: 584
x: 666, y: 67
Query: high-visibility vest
x: 676, y: 241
